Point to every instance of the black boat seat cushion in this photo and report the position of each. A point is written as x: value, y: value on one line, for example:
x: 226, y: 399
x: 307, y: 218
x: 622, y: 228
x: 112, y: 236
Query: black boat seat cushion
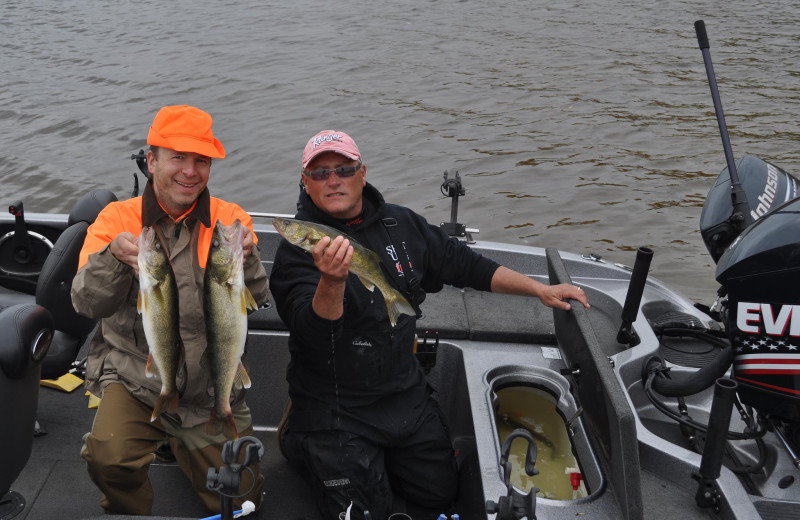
x: 20, y: 367
x: 9, y: 297
x: 53, y: 293
x: 89, y: 206
x: 55, y: 283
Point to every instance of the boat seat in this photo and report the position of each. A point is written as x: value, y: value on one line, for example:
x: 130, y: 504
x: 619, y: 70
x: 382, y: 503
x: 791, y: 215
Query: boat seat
x: 55, y: 283
x: 10, y: 296
x: 27, y: 330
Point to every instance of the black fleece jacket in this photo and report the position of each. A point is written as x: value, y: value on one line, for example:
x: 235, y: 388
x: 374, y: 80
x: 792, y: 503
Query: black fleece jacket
x: 357, y: 372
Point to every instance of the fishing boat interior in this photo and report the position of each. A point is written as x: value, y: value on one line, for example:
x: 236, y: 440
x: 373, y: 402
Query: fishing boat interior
x: 645, y: 405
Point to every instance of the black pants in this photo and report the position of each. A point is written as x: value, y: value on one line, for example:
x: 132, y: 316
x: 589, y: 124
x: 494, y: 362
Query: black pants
x: 343, y: 467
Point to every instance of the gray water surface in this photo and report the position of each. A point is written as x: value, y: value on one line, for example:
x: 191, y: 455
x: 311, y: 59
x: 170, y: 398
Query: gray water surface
x: 586, y: 126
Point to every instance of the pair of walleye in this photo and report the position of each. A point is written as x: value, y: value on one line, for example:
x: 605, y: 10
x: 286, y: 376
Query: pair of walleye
x: 225, y: 299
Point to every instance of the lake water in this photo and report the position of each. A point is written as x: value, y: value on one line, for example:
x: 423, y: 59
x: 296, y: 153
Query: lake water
x: 586, y: 126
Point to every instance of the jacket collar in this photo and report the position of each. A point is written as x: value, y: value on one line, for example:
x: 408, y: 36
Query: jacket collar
x: 152, y: 211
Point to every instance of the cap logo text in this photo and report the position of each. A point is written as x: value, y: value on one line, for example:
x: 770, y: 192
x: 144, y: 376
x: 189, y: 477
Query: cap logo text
x: 320, y: 139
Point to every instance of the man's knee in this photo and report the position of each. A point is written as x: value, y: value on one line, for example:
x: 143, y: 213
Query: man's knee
x: 109, y: 461
x: 343, y: 469
x: 430, y: 491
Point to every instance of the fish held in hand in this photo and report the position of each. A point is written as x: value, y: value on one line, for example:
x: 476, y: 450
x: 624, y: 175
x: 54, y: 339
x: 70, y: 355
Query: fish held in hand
x: 226, y: 300
x: 365, y: 263
x: 158, y: 304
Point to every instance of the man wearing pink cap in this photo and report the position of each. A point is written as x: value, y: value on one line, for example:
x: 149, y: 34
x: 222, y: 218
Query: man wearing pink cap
x: 361, y: 419
x: 176, y: 204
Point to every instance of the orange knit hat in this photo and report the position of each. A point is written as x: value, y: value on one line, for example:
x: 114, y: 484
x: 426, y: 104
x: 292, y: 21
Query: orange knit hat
x: 185, y: 129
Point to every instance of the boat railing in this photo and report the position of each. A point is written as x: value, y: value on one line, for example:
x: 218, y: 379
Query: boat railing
x: 260, y: 214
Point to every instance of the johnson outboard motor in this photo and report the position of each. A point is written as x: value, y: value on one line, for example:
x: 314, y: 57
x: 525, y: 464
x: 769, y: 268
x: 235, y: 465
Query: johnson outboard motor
x: 760, y: 270
x: 751, y: 226
x: 766, y: 187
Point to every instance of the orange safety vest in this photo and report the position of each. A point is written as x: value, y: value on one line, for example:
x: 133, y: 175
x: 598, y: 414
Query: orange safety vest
x: 127, y: 215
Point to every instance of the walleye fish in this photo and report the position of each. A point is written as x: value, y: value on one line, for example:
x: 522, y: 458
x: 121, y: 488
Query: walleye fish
x: 226, y: 300
x: 158, y: 305
x: 365, y: 263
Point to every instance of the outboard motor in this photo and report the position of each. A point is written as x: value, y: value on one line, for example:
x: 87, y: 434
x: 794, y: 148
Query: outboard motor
x: 766, y: 187
x: 756, y: 245
x: 761, y: 271
x: 749, y: 224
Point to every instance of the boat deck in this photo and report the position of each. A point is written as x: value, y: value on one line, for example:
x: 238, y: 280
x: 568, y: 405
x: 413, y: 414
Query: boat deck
x: 55, y: 483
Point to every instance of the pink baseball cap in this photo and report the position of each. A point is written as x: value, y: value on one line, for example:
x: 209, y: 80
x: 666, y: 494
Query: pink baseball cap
x: 330, y: 141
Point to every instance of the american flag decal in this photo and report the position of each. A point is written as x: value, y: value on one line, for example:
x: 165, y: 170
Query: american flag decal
x: 768, y: 362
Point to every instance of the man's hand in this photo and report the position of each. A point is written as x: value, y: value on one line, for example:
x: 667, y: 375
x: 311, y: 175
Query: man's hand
x: 555, y: 296
x: 125, y: 248
x: 247, y: 242
x: 332, y: 258
x: 507, y: 281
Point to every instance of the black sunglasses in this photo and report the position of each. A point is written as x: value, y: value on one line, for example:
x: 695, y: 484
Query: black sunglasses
x: 342, y: 171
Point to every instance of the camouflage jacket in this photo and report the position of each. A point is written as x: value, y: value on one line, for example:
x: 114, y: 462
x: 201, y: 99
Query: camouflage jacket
x: 108, y: 289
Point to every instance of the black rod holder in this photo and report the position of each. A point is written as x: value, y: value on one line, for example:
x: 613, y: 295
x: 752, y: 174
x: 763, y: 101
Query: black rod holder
x: 516, y: 505
x: 228, y: 478
x: 626, y: 334
x: 718, y: 424
x: 453, y: 188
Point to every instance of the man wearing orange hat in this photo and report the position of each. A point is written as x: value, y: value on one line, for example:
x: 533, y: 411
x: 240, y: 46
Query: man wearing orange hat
x: 361, y: 420
x: 177, y: 205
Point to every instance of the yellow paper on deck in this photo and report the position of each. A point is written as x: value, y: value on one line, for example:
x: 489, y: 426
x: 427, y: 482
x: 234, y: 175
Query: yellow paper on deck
x: 66, y: 383
x: 93, y: 400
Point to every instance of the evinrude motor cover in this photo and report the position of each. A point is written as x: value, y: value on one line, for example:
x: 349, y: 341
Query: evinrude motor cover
x: 766, y: 187
x: 761, y: 271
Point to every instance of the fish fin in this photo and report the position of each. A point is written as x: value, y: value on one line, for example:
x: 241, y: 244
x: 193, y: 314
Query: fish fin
x: 158, y: 294
x: 242, y: 378
x: 151, y: 369
x: 396, y: 305
x: 369, y: 285
x: 224, y: 425
x: 139, y: 303
x: 164, y: 403
x: 250, y: 301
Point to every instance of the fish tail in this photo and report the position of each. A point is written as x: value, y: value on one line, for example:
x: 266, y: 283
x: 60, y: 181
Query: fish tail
x: 224, y: 425
x: 396, y: 305
x: 229, y: 428
x: 164, y: 403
